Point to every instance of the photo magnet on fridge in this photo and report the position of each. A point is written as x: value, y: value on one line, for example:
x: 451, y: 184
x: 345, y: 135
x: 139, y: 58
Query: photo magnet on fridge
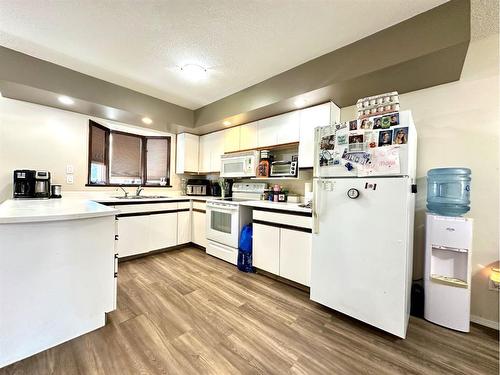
x: 366, y: 124
x: 386, y: 122
x: 342, y: 139
x: 377, y: 123
x: 356, y: 142
x: 385, y: 138
x: 371, y: 139
x: 400, y: 136
x: 394, y: 119
x: 328, y: 142
x: 353, y: 125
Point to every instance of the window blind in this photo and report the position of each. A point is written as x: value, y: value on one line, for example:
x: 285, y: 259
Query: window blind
x: 98, y: 145
x: 126, y: 156
x: 157, y: 159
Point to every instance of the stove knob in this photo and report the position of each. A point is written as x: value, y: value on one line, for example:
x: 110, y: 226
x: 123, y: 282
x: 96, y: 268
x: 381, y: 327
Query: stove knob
x: 353, y: 193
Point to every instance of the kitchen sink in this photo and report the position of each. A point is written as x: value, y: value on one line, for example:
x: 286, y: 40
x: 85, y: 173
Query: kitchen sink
x: 143, y: 197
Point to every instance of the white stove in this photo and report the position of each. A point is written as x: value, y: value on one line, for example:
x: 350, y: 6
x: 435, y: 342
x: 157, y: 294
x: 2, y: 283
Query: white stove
x: 226, y: 217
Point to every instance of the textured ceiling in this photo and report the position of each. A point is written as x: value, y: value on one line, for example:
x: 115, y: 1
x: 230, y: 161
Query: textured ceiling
x: 140, y: 44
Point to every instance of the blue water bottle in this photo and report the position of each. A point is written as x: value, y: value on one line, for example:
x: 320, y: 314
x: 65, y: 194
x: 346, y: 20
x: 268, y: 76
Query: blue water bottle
x: 448, y: 191
x: 245, y: 249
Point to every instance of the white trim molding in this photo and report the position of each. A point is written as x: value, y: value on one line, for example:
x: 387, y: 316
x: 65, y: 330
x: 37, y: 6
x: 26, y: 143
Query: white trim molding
x: 485, y: 322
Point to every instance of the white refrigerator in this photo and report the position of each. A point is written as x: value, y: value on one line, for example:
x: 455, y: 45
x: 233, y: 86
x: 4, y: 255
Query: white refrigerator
x: 363, y: 211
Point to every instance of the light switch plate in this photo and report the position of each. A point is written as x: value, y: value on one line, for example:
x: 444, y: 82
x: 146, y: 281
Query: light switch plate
x: 70, y: 179
x: 70, y: 169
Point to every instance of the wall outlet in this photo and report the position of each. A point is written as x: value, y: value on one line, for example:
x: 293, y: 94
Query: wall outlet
x: 70, y: 179
x: 70, y: 169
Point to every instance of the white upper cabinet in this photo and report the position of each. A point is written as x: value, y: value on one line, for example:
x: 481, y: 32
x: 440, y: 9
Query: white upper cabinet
x: 187, y: 153
x: 248, y: 136
x: 211, y: 149
x: 217, y: 151
x: 204, y: 157
x: 279, y: 129
x: 310, y: 118
x: 232, y: 139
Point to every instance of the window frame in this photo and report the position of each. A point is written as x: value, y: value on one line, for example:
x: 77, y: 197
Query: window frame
x: 144, y: 140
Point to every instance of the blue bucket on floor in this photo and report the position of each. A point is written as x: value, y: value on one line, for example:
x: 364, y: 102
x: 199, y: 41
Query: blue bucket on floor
x: 245, y: 249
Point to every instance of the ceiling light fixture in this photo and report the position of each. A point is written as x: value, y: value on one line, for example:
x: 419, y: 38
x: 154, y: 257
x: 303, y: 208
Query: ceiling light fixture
x: 66, y: 100
x: 300, y: 102
x: 147, y: 120
x: 194, y: 72
x: 226, y: 123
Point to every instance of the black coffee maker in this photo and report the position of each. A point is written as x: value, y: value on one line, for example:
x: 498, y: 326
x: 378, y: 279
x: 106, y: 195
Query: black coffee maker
x: 24, y: 183
x: 31, y: 184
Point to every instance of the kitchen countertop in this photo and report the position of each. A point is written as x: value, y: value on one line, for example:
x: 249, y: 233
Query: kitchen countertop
x: 285, y: 206
x: 40, y: 210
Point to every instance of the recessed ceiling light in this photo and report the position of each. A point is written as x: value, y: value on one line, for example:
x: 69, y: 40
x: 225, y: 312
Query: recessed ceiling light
x: 147, y: 120
x: 226, y: 123
x: 66, y: 100
x: 194, y: 72
x: 300, y: 102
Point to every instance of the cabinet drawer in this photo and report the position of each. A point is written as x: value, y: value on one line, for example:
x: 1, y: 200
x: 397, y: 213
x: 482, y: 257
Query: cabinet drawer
x: 284, y: 219
x: 199, y: 205
x: 147, y: 207
x: 184, y: 205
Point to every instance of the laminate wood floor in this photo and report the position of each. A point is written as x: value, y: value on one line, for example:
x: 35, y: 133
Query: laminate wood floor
x: 184, y: 312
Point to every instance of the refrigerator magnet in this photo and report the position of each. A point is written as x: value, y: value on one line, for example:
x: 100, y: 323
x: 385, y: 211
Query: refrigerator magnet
x: 400, y: 136
x: 385, y: 138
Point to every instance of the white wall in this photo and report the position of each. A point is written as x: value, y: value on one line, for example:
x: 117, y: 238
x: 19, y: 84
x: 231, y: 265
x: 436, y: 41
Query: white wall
x: 458, y: 125
x: 38, y: 137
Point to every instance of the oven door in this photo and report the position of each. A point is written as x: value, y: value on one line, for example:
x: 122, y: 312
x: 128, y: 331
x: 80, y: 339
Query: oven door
x: 222, y: 224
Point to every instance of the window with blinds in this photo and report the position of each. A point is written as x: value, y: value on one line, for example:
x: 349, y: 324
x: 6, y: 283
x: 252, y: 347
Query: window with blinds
x: 98, y: 141
x: 118, y: 158
x: 157, y: 160
x: 125, y: 159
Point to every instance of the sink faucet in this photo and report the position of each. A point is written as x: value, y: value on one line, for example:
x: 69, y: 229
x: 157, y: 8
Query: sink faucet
x: 124, y: 191
x: 138, y: 191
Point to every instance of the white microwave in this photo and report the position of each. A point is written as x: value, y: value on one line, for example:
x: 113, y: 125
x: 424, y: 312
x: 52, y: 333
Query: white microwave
x: 243, y: 164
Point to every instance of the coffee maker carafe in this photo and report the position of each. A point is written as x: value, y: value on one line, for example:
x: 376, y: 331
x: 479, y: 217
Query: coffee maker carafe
x: 24, y: 183
x: 42, y: 184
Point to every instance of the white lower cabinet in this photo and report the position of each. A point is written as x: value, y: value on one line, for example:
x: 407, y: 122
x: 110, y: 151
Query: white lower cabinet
x: 132, y: 235
x: 280, y: 249
x: 266, y: 248
x: 199, y: 236
x: 295, y: 256
x: 183, y: 227
x: 153, y: 226
x: 162, y: 230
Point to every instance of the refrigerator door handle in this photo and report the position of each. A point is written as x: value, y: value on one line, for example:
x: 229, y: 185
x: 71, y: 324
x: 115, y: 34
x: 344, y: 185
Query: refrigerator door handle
x: 316, y: 205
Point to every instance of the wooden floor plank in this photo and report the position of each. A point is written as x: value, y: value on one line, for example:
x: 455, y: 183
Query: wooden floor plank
x: 185, y: 312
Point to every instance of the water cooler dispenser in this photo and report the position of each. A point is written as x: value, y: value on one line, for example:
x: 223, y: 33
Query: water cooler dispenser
x: 448, y: 246
x: 447, y: 278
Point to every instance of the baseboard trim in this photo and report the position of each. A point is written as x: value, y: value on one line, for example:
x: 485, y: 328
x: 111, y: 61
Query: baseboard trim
x: 485, y: 322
